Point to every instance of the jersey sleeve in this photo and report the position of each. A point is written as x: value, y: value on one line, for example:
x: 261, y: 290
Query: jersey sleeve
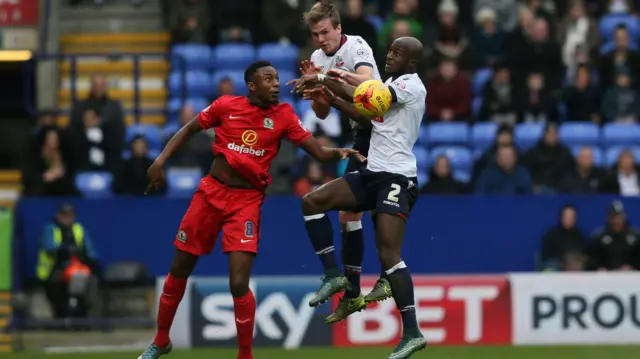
x: 212, y: 115
x: 361, y: 54
x: 295, y: 131
x: 404, y: 89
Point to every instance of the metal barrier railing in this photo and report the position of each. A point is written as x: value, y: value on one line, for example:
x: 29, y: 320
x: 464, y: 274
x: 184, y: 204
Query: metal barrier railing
x: 29, y: 70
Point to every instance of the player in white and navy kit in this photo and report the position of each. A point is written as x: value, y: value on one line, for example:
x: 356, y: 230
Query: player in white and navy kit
x: 388, y: 185
x: 353, y: 57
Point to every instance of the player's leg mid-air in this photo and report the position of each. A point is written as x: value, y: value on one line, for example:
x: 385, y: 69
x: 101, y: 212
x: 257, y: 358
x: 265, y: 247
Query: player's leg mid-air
x: 354, y: 56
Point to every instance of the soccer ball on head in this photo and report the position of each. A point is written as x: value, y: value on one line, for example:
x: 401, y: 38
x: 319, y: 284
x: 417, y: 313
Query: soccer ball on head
x: 372, y: 98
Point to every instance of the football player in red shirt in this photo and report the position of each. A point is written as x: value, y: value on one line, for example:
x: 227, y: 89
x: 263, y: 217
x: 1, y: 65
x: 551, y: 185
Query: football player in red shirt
x: 229, y: 199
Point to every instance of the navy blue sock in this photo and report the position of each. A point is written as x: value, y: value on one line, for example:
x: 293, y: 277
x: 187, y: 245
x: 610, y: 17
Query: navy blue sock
x: 320, y: 232
x: 352, y: 256
x: 402, y: 288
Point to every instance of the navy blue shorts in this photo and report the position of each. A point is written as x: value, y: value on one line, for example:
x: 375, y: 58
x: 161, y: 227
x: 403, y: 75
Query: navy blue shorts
x: 360, y: 144
x: 383, y: 192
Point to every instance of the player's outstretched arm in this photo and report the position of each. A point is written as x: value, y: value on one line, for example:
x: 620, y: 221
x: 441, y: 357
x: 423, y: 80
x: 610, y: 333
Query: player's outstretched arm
x: 327, y: 154
x: 362, y: 74
x: 179, y: 139
x: 348, y: 109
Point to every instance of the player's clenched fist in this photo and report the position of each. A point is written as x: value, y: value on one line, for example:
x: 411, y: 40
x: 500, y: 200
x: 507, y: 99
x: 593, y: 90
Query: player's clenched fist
x: 155, y: 176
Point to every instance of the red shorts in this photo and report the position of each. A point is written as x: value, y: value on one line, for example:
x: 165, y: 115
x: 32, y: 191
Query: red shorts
x: 214, y: 207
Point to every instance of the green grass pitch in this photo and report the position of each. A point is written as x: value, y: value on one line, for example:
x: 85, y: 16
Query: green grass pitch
x: 591, y: 352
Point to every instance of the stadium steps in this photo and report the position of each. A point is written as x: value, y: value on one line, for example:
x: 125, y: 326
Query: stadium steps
x: 117, y: 16
x: 10, y: 188
x: 119, y: 71
x: 6, y: 340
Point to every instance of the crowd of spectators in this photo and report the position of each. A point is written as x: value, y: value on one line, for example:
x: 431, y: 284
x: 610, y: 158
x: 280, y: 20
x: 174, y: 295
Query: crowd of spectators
x: 548, y: 60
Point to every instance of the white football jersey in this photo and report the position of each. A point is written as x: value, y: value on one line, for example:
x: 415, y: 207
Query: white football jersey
x: 393, y: 138
x: 352, y: 53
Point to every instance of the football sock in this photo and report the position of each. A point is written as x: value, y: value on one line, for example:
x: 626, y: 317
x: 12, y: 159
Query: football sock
x: 352, y: 256
x: 245, y: 311
x: 320, y: 232
x: 172, y: 293
x: 402, y: 288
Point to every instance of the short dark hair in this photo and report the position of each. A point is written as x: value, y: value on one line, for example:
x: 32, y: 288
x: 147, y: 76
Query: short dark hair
x: 251, y: 70
x: 322, y: 10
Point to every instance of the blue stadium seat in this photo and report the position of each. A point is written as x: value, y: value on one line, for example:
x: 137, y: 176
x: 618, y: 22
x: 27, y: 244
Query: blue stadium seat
x: 618, y: 134
x: 460, y: 157
x: 476, y: 106
x: 483, y: 134
x: 447, y: 133
x: 195, y: 83
x: 611, y: 154
x: 151, y: 133
x: 609, y: 23
x: 422, y: 158
x: 286, y: 76
x: 598, y: 157
x: 579, y: 133
x: 182, y: 182
x: 376, y: 21
x: 168, y: 130
x: 527, y: 134
x: 236, y: 77
x: 423, y: 178
x: 190, y: 56
x: 174, y: 106
x: 423, y: 135
x: 283, y: 57
x: 94, y: 184
x: 233, y: 56
x: 462, y: 176
x: 480, y: 78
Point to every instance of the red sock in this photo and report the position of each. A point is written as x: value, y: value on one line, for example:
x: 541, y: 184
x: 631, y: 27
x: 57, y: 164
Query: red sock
x: 172, y: 293
x: 245, y: 310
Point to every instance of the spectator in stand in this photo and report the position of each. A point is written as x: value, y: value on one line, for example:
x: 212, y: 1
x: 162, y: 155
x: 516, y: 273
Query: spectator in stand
x: 504, y: 176
x: 448, y: 39
x: 616, y: 246
x: 314, y: 178
x: 441, y: 179
x: 238, y: 21
x: 542, y: 9
x: 487, y: 40
x: 281, y: 19
x: 226, y: 87
x: 505, y: 9
x: 355, y: 23
x: 109, y: 110
x: 520, y: 35
x: 549, y: 162
x: 498, y: 98
x: 624, y: 179
x: 586, y: 176
x: 96, y: 149
x: 619, y: 7
x: 621, y: 103
x: 582, y: 99
x: 449, y: 94
x: 190, y: 22
x: 535, y: 103
x: 132, y: 179
x: 622, y: 58
x: 46, y: 119
x: 537, y: 54
x: 577, y: 30
x: 503, y: 137
x: 50, y: 169
x: 402, y: 11
x: 563, y: 245
x: 197, y: 152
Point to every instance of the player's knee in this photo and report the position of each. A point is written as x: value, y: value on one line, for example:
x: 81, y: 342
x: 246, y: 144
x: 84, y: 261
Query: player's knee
x: 389, y: 257
x: 238, y: 287
x: 311, y: 204
x: 346, y: 217
x: 183, y: 264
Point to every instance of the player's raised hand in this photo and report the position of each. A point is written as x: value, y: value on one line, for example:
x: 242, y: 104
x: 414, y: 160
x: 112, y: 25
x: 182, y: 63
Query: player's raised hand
x: 320, y: 95
x: 337, y: 73
x: 309, y: 68
x: 155, y: 176
x: 350, y: 152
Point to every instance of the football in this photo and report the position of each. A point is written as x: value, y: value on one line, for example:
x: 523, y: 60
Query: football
x: 372, y: 98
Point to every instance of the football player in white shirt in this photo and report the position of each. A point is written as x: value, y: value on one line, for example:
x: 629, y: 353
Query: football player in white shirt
x: 352, y: 56
x: 388, y: 185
